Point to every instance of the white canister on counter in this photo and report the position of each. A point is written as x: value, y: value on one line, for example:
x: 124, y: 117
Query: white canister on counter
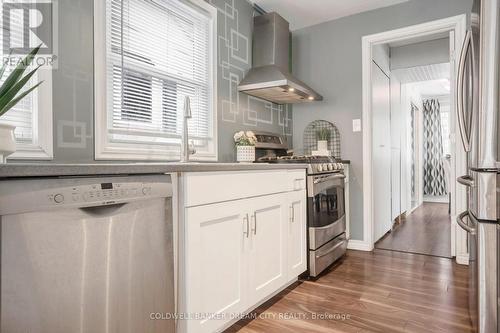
x: 245, y: 154
x: 7, y: 142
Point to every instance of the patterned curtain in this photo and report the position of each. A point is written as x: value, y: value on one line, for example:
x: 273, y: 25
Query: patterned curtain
x: 434, y: 175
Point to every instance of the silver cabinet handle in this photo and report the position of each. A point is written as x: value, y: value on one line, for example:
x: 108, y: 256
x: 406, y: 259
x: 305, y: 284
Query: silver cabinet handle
x: 465, y: 226
x: 254, y: 218
x: 292, y: 214
x: 466, y: 180
x: 247, y: 231
x: 297, y: 183
x: 460, y: 93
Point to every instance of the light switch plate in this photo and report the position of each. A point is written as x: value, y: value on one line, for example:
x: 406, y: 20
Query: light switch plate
x: 356, y: 125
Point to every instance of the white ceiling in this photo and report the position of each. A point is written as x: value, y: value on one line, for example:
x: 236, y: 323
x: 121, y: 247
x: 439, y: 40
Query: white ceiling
x: 304, y: 13
x: 430, y: 80
x: 432, y: 88
x: 423, y: 73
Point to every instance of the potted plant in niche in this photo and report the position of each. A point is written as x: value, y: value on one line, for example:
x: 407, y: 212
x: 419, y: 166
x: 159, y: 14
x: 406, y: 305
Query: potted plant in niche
x: 245, y: 146
x: 323, y: 135
x: 10, y: 94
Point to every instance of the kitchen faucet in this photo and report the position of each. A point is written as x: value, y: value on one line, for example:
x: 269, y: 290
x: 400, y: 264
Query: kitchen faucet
x: 186, y: 149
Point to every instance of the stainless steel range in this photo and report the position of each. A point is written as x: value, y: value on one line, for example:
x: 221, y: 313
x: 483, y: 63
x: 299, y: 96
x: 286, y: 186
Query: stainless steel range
x: 326, y: 218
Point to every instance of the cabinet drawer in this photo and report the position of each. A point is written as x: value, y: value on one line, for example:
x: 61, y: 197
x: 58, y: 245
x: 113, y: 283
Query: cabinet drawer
x: 296, y: 180
x: 203, y: 188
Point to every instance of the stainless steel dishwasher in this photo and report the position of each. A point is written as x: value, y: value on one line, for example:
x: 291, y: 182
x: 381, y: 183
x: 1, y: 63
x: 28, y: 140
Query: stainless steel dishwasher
x: 87, y: 255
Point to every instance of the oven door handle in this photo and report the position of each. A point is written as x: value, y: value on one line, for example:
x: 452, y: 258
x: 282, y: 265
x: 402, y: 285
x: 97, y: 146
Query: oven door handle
x: 325, y: 179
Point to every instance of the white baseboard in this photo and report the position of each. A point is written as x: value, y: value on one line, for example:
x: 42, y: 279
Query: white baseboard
x: 462, y: 259
x: 359, y: 245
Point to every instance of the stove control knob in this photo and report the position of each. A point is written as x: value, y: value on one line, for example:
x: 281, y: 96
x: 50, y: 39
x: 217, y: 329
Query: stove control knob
x: 331, y: 166
x: 340, y: 166
x: 319, y: 167
x: 325, y: 167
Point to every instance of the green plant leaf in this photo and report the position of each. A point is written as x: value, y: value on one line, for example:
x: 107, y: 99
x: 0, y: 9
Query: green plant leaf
x: 15, y: 89
x: 18, y: 71
x: 16, y: 100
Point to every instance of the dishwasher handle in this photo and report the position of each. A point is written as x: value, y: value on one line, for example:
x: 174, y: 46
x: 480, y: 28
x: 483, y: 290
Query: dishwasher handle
x: 102, y: 210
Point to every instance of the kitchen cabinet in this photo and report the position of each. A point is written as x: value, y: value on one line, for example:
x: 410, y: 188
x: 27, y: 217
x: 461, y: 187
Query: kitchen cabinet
x: 239, y: 253
x: 216, y: 270
x: 297, y: 238
x: 268, y: 245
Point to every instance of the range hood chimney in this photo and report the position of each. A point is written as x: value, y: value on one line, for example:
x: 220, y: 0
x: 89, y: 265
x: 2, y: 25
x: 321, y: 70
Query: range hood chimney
x: 269, y: 78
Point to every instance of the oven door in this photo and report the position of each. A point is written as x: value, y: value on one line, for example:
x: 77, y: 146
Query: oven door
x: 326, y: 208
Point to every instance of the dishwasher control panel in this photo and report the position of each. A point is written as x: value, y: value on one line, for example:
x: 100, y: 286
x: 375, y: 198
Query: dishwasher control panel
x: 100, y: 193
x: 52, y: 193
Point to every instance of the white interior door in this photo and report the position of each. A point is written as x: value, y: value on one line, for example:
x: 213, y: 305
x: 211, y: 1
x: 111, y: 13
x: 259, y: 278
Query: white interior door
x: 381, y: 109
x: 396, y: 124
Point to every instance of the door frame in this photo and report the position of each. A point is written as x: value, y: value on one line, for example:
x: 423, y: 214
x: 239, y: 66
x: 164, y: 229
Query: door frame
x: 457, y: 24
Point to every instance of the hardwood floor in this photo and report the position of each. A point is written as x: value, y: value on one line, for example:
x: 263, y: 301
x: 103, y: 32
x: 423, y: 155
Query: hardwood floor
x: 425, y: 231
x: 380, y: 291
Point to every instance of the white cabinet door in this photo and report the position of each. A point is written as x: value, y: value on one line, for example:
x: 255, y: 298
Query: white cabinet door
x: 268, y: 245
x: 216, y: 262
x: 297, y: 251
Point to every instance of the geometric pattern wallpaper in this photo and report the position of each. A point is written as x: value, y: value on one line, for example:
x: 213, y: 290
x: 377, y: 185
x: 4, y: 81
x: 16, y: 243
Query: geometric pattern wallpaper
x: 234, y: 60
x: 434, y: 174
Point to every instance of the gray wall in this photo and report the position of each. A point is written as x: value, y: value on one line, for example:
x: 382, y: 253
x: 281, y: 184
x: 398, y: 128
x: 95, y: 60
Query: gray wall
x: 73, y: 82
x: 421, y: 54
x: 328, y: 57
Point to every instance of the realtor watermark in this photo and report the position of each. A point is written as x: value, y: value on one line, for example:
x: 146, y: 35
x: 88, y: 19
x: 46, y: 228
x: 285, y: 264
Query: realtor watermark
x: 322, y: 316
x: 27, y: 24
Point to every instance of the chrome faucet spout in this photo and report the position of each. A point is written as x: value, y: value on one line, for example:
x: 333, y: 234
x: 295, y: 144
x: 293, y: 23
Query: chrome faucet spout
x: 186, y: 150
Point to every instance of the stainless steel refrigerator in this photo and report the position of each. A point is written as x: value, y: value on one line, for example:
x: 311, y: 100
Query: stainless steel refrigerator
x: 478, y: 114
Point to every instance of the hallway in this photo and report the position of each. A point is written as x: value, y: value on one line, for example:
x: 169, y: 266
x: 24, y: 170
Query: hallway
x: 425, y: 231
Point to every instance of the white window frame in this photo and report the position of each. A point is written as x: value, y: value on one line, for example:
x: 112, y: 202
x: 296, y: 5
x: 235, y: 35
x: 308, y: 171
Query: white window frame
x: 106, y: 150
x: 42, y: 145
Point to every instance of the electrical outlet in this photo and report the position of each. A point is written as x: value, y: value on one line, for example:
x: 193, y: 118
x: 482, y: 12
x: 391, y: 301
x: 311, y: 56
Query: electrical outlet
x: 356, y: 125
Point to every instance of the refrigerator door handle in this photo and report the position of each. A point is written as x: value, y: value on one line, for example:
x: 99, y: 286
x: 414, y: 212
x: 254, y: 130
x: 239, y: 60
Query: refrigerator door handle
x: 466, y: 180
x: 460, y: 92
x: 464, y: 225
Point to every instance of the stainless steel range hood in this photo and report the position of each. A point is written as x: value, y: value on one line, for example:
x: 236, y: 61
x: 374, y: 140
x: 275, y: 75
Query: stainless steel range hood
x: 269, y: 77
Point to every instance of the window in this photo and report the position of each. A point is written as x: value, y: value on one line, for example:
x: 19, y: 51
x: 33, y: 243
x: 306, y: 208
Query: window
x: 32, y: 116
x: 151, y: 55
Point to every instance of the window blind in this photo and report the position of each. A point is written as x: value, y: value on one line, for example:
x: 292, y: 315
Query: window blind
x: 157, y: 53
x: 22, y: 114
